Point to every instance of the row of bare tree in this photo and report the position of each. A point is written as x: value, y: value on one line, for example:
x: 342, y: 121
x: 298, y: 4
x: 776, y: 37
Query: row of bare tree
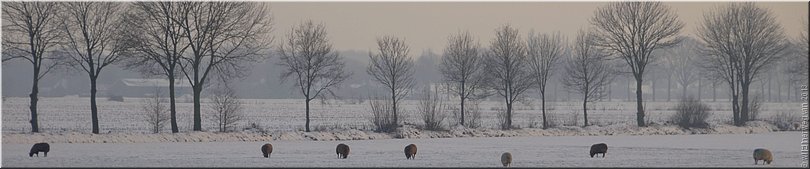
x: 202, y: 42
x: 194, y: 40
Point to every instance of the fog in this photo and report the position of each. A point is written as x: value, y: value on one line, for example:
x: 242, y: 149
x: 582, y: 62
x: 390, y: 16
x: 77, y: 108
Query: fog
x: 425, y: 26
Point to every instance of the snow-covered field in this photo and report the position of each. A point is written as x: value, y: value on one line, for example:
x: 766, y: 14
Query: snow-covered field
x: 563, y: 151
x: 62, y: 114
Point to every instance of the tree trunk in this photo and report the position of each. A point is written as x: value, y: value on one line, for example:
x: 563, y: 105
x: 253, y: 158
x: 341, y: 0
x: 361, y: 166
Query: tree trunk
x: 669, y: 86
x: 543, y: 108
x: 770, y: 98
x: 652, y: 85
x: 172, y: 104
x: 744, y: 108
x: 778, y: 91
x: 93, y: 106
x: 683, y: 92
x: 197, y: 119
x: 463, y: 94
x: 700, y: 89
x: 394, y: 107
x: 585, y: 111
x: 714, y: 91
x: 508, y: 115
x: 307, y: 104
x: 610, y: 91
x: 34, y: 99
x: 640, y: 114
x: 735, y: 109
x: 629, y: 91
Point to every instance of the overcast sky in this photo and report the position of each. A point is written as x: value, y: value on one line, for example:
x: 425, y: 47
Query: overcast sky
x: 426, y: 25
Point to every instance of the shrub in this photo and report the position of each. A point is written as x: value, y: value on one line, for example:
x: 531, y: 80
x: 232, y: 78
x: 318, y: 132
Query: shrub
x: 785, y: 120
x: 691, y: 113
x: 226, y: 108
x: 552, y: 120
x: 572, y: 120
x: 754, y: 108
x: 382, y: 115
x: 155, y: 113
x: 432, y: 109
x: 502, y: 119
x: 472, y: 116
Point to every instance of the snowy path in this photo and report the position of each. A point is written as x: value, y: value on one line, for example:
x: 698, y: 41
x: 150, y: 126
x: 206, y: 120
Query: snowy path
x: 564, y: 151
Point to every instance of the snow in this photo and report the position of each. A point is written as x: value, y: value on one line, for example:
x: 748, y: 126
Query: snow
x: 407, y: 131
x: 72, y: 114
x: 714, y: 150
x: 126, y: 142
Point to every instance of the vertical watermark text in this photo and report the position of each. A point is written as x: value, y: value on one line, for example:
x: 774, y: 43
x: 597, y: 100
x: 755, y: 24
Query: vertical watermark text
x: 804, y: 104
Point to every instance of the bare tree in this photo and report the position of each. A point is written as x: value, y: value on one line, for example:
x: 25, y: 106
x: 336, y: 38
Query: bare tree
x: 155, y: 112
x: 632, y: 31
x: 224, y: 38
x: 798, y: 67
x: 586, y: 71
x: 462, y: 68
x: 308, y: 58
x: 157, y: 44
x: 543, y: 51
x: 507, y: 68
x: 30, y: 32
x: 226, y: 109
x: 382, y: 115
x: 681, y: 60
x: 742, y: 41
x: 431, y: 108
x: 93, y: 31
x: 393, y: 68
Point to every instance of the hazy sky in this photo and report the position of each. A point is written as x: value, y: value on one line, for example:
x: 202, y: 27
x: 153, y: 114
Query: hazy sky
x: 426, y: 25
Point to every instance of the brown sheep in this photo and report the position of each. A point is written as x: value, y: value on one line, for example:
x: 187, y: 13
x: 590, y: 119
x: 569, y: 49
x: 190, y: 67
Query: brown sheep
x: 342, y: 151
x: 39, y: 147
x: 410, y: 151
x: 600, y: 148
x: 506, y: 159
x: 763, y: 154
x: 267, y: 149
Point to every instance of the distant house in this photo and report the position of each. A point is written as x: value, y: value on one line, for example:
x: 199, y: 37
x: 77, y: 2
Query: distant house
x: 147, y: 87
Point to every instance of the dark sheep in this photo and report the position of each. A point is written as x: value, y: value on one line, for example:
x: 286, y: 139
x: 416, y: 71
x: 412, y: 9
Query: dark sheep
x: 410, y: 151
x: 342, y: 151
x: 506, y: 159
x: 39, y: 147
x: 763, y: 154
x: 599, y: 148
x: 267, y: 149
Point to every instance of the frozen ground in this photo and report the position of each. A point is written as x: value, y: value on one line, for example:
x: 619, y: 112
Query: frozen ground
x: 564, y: 151
x: 72, y: 114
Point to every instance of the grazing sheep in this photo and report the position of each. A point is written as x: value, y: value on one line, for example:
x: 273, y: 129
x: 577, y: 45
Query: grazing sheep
x: 342, y: 150
x: 764, y: 155
x: 39, y: 147
x: 410, y: 151
x: 599, y: 148
x: 267, y: 149
x: 506, y: 159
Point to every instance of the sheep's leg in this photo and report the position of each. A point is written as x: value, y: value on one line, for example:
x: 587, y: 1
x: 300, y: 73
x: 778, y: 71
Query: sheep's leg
x: 46, y: 154
x: 755, y: 162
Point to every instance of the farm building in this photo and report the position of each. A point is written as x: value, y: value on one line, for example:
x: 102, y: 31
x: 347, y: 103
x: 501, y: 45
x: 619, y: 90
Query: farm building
x: 147, y: 87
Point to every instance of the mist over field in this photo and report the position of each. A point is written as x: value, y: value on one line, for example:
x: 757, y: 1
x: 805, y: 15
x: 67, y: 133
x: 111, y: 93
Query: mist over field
x: 471, y: 84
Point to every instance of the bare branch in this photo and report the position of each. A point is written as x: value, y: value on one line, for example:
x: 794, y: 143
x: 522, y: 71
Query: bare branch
x: 507, y: 68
